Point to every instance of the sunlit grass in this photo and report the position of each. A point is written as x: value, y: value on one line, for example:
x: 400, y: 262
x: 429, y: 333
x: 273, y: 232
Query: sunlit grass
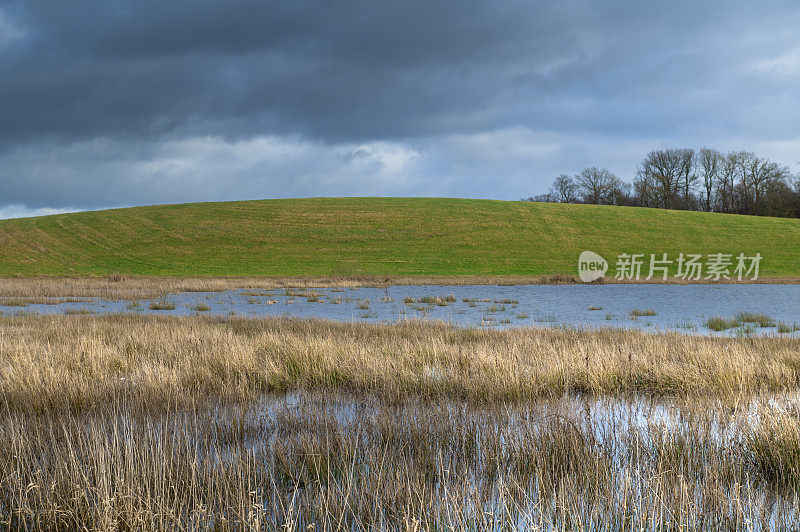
x: 377, y: 237
x: 170, y: 357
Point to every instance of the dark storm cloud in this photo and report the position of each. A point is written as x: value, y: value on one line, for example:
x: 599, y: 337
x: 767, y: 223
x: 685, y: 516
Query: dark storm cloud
x: 99, y: 99
x: 329, y: 70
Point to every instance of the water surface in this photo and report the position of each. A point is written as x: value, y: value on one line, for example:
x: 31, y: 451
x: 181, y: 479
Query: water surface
x: 683, y: 308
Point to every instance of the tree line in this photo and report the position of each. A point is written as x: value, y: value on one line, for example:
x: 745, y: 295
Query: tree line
x: 709, y: 180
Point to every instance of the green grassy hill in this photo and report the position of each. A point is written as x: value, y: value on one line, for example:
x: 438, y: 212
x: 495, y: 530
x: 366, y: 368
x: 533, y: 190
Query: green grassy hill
x: 381, y: 236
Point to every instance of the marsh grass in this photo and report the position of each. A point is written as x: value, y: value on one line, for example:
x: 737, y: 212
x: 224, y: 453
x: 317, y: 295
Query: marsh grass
x: 744, y: 321
x: 78, y: 361
x: 775, y: 447
x: 686, y: 325
x: 201, y: 307
x: 762, y: 320
x: 54, y: 290
x: 745, y: 330
x: 332, y: 461
x: 134, y: 422
x: 79, y: 311
x: 25, y: 301
x: 441, y: 301
x: 637, y: 313
x: 8, y: 302
x: 161, y: 305
x: 718, y: 323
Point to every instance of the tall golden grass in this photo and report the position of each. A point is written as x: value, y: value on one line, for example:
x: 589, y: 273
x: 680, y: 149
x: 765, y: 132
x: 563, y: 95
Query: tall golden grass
x: 333, y: 462
x: 79, y: 361
x: 130, y: 422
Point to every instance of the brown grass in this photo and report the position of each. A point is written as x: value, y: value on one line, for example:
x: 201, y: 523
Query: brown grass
x: 334, y: 462
x: 54, y: 290
x: 143, y: 422
x: 78, y: 362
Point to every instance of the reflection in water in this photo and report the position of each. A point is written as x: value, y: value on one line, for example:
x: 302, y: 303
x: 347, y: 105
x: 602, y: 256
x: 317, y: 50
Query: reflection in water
x: 300, y: 461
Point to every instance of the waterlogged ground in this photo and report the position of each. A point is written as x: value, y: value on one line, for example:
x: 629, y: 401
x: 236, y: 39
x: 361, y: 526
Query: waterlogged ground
x: 724, y: 423
x: 772, y: 309
x: 305, y: 462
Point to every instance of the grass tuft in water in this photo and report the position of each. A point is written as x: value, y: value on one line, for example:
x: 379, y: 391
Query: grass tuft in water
x: 762, y: 320
x: 162, y: 305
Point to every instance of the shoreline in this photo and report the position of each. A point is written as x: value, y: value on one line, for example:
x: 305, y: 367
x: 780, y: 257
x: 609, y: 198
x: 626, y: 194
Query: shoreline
x: 127, y: 287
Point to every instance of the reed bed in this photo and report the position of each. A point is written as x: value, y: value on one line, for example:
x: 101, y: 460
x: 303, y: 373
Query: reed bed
x: 77, y: 362
x: 330, y: 461
x: 129, y: 422
x: 52, y: 290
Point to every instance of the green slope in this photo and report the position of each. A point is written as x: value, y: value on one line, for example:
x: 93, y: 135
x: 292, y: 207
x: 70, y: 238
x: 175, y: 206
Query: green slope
x: 384, y: 236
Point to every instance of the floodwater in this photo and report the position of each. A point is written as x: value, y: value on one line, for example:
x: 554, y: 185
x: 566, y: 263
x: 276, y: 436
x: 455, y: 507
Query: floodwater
x: 682, y: 308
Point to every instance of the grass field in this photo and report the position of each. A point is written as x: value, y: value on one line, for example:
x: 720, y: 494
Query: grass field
x: 375, y: 236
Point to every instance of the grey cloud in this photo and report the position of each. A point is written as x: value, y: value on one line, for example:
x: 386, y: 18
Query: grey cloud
x: 95, y: 96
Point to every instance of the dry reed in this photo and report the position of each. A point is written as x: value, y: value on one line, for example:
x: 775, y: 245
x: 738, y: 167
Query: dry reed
x: 49, y: 290
x: 126, y: 422
x: 77, y: 362
x: 334, y: 462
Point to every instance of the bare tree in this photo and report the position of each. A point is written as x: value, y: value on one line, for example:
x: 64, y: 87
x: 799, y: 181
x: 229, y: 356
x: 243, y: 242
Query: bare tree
x: 734, y: 182
x: 709, y: 162
x: 620, y: 192
x: 596, y: 185
x: 664, y: 168
x: 726, y: 181
x: 743, y: 189
x: 644, y: 190
x: 541, y: 198
x: 564, y: 189
x: 688, y: 177
x: 760, y: 175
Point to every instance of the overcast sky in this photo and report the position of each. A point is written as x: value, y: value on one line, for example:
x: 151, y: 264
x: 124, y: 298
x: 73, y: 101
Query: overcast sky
x: 121, y: 103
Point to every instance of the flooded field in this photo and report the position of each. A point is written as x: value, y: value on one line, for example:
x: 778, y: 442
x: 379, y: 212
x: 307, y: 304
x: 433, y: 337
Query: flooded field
x: 143, y: 420
x: 732, y: 310
x: 324, y: 461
